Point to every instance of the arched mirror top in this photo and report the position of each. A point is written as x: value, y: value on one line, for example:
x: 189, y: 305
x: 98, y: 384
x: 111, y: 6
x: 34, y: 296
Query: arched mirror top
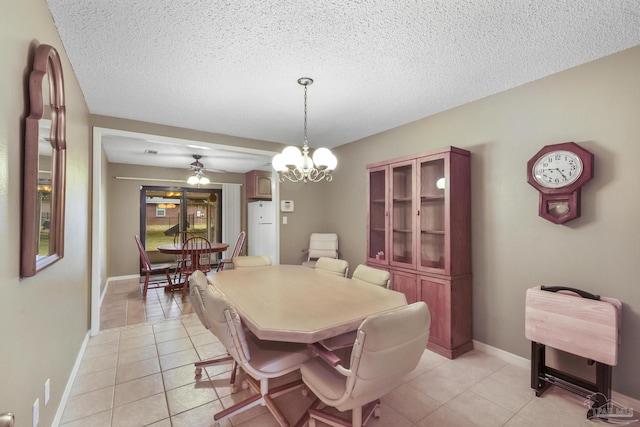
x: 44, y: 165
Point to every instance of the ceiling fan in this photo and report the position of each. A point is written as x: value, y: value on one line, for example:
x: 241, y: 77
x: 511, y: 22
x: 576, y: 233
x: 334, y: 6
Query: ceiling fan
x: 197, y: 165
x: 198, y: 169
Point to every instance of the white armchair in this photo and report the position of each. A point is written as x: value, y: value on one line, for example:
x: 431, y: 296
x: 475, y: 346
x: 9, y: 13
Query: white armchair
x: 321, y: 245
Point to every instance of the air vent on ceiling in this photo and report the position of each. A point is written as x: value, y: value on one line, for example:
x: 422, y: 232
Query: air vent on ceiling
x: 149, y: 151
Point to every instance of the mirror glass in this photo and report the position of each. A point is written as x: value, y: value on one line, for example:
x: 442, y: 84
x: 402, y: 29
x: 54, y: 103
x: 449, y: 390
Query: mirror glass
x: 45, y: 188
x: 44, y: 165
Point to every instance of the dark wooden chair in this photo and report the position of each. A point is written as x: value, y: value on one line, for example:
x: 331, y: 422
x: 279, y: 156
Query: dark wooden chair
x: 178, y: 239
x: 196, y: 255
x: 236, y: 251
x: 148, y: 269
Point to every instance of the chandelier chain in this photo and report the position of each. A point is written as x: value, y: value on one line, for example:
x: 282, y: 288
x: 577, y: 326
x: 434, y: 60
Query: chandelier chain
x: 305, y: 114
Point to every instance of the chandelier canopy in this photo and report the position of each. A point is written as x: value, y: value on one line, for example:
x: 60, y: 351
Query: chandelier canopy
x: 298, y: 166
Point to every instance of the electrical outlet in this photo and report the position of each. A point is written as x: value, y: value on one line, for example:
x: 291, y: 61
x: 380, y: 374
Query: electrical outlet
x: 36, y: 412
x: 47, y: 391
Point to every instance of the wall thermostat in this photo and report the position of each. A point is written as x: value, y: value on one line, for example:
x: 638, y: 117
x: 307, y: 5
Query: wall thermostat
x: 286, y: 205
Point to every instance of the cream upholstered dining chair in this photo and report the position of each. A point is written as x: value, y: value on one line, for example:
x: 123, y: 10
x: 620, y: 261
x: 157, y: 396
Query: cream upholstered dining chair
x: 251, y: 261
x: 321, y: 245
x: 388, y: 346
x: 339, y: 267
x: 371, y: 275
x: 260, y: 360
x: 197, y: 285
x: 148, y: 269
x: 228, y: 262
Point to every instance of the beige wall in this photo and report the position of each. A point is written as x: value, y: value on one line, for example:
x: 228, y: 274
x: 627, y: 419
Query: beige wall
x: 44, y: 318
x: 596, y: 105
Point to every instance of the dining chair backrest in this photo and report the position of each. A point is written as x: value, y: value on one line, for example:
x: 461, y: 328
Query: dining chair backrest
x: 239, y: 244
x: 371, y: 275
x: 144, y: 258
x: 196, y: 252
x: 224, y: 322
x: 251, y: 261
x: 223, y: 263
x: 339, y: 267
x: 197, y: 286
x: 388, y: 346
x: 180, y: 237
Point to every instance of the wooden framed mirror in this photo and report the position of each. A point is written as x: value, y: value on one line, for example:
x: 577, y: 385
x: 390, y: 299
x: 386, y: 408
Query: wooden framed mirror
x: 44, y: 165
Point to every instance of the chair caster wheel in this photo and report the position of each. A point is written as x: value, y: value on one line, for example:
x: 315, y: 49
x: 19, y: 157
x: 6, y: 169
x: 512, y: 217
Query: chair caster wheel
x: 234, y: 389
x: 304, y: 392
x: 198, y: 372
x: 245, y: 385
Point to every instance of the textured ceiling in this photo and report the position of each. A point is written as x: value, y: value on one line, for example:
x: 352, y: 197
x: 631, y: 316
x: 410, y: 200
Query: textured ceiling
x: 231, y: 67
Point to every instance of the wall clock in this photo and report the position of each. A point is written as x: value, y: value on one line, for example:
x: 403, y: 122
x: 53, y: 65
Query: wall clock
x: 558, y: 172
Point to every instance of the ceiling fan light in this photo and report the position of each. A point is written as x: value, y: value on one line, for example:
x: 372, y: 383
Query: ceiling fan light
x: 193, y: 180
x: 204, y: 180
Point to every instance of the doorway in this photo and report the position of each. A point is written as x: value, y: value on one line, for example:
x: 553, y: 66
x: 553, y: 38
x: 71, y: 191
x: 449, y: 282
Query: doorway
x: 167, y: 212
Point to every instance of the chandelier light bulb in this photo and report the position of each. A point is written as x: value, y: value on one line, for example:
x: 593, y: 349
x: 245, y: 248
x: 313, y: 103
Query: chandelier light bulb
x: 292, y: 157
x: 324, y: 158
x: 278, y: 163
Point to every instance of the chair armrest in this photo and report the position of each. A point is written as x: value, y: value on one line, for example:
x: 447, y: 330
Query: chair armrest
x: 325, y: 354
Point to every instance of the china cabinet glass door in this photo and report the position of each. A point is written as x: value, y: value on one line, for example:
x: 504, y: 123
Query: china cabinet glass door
x: 378, y: 215
x: 432, y: 219
x: 403, y: 214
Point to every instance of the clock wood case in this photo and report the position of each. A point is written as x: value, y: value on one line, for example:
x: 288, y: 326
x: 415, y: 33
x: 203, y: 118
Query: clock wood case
x: 558, y: 172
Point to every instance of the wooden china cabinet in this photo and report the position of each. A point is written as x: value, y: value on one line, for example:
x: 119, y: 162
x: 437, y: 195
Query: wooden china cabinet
x: 419, y: 229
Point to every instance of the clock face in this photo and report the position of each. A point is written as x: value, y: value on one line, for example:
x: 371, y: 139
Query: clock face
x: 557, y: 169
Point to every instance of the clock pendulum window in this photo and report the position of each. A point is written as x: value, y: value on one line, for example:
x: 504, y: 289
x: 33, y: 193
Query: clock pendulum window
x: 558, y: 172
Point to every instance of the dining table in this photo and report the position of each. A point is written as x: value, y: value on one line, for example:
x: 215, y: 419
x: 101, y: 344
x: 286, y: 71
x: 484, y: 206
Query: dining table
x: 294, y: 303
x: 176, y: 250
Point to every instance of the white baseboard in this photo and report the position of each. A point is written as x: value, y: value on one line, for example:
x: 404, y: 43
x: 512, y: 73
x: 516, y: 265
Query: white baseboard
x: 501, y: 354
x: 128, y: 276
x: 70, y: 381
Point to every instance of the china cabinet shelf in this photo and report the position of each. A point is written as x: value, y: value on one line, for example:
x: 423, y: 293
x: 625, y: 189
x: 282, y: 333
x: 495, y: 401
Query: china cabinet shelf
x: 419, y: 229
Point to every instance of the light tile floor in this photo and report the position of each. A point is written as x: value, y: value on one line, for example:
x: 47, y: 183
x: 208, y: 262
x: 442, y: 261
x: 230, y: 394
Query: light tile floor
x: 123, y: 304
x: 142, y: 375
